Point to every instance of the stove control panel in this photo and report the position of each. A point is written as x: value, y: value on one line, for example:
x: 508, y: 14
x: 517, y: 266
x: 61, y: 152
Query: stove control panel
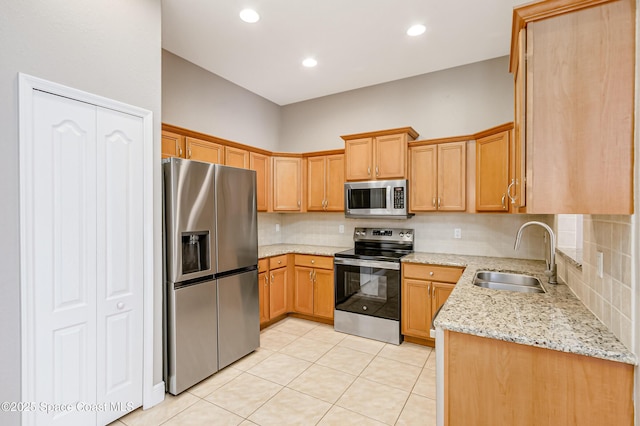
x: 399, y: 235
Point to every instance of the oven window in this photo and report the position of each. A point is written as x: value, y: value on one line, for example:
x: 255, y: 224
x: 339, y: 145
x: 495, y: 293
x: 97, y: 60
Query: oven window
x: 369, y: 198
x: 368, y: 291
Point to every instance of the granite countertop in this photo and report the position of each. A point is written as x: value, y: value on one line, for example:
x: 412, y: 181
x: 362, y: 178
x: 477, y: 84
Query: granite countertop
x: 555, y: 320
x: 278, y: 249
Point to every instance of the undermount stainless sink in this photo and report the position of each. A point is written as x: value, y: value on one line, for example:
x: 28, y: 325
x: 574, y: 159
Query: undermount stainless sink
x: 508, y: 281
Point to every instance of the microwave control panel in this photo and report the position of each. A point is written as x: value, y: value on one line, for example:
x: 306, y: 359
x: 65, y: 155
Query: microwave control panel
x: 398, y: 197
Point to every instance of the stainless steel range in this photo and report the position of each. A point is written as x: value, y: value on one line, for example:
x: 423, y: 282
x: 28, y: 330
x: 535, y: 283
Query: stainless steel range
x: 367, y: 283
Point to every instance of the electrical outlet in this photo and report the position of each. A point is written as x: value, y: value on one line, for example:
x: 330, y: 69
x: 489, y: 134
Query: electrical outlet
x: 457, y: 233
x: 341, y: 229
x: 600, y: 263
x: 277, y: 227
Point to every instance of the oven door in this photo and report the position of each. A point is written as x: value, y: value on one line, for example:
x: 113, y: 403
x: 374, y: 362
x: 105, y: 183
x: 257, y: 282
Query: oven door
x: 368, y: 287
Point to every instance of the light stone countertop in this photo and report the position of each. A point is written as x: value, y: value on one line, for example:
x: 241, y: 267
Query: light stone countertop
x: 278, y: 249
x: 555, y: 320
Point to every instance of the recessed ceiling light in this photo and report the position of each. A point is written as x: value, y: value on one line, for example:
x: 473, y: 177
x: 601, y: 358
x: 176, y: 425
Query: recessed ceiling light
x: 249, y: 15
x: 416, y: 30
x: 309, y: 62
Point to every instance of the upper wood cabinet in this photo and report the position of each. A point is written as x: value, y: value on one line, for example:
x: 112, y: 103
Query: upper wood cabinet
x: 325, y: 183
x: 579, y: 66
x: 437, y: 179
x: 173, y: 145
x: 492, y: 173
x: 202, y: 150
x: 260, y: 163
x: 287, y: 184
x: 377, y: 155
x: 236, y: 157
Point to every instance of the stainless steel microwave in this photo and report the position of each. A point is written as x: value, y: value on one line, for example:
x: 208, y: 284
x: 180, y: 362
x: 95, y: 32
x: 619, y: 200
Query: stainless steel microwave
x: 377, y: 199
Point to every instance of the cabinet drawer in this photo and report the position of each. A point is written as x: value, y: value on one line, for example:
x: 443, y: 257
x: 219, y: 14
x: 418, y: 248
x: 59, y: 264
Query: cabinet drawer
x: 263, y: 265
x: 278, y: 261
x: 313, y: 261
x: 447, y: 274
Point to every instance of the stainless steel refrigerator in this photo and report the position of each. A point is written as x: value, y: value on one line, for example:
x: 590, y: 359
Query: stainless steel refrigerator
x: 212, y: 308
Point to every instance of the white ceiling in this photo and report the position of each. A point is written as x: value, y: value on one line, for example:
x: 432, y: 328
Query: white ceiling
x: 357, y: 43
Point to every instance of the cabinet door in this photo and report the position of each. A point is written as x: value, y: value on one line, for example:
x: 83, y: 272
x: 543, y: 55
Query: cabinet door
x: 278, y: 292
x: 416, y: 308
x: 359, y: 158
x: 323, y: 296
x: 391, y: 157
x: 439, y: 294
x: 236, y: 157
x: 518, y: 160
x: 204, y: 151
x: 260, y: 163
x: 173, y: 145
x: 316, y: 172
x: 580, y: 116
x: 492, y: 173
x: 423, y: 183
x: 303, y: 290
x: 287, y: 189
x: 263, y: 287
x: 452, y: 172
x: 334, y: 183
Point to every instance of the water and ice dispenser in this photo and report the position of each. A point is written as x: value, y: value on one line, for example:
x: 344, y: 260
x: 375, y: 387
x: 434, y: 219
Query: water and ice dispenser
x: 195, y: 252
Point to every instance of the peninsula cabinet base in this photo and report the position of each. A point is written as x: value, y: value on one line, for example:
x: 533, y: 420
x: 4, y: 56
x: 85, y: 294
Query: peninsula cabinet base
x: 492, y: 382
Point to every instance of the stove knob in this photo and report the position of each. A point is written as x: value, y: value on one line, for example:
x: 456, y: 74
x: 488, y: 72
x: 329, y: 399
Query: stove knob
x: 364, y: 308
x: 402, y: 234
x: 408, y: 234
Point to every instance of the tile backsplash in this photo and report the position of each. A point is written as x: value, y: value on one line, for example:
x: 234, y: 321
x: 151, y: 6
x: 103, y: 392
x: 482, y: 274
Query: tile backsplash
x: 481, y: 234
x: 609, y: 296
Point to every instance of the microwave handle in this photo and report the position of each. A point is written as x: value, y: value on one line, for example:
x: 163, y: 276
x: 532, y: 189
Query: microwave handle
x: 389, y: 205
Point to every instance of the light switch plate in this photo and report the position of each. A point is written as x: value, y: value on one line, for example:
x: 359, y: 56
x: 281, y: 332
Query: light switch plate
x: 457, y: 233
x: 277, y: 227
x: 341, y: 229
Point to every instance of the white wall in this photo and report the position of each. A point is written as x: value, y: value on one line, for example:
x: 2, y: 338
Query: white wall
x: 107, y: 47
x: 452, y: 102
x: 196, y: 99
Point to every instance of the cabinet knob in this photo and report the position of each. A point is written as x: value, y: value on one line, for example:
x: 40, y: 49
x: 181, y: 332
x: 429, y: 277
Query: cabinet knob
x: 279, y: 262
x: 120, y: 306
x: 313, y: 261
x: 431, y: 273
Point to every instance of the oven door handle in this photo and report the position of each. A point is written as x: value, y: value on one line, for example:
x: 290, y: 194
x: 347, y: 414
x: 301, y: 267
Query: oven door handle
x: 367, y: 263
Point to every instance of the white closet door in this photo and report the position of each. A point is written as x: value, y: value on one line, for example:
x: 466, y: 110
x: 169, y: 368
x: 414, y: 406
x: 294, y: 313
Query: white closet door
x: 120, y: 262
x: 63, y: 256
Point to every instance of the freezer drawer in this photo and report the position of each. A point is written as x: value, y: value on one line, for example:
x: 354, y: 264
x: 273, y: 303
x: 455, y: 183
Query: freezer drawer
x: 191, y: 334
x: 238, y: 317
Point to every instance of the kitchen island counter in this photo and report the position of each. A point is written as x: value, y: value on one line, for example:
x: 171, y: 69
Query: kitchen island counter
x: 555, y: 320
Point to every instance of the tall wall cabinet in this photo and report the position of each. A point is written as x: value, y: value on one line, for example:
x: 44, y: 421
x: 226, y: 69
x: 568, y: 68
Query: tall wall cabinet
x: 574, y: 64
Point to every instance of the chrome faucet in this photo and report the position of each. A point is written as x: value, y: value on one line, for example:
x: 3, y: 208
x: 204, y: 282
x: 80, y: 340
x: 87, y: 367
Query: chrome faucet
x: 551, y: 271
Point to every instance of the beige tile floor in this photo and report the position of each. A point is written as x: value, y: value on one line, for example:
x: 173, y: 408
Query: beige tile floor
x: 306, y: 373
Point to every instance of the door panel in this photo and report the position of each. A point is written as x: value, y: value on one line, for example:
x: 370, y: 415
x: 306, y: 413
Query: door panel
x: 303, y: 291
x: 423, y: 182
x: 323, y: 302
x: 452, y: 166
x: 120, y: 258
x: 236, y: 217
x: 64, y: 261
x: 238, y: 317
x: 335, y: 183
x: 278, y: 293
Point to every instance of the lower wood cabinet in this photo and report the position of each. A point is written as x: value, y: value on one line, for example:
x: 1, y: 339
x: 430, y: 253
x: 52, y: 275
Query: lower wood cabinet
x: 272, y: 286
x: 313, y: 286
x: 424, y: 289
x: 493, y: 382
